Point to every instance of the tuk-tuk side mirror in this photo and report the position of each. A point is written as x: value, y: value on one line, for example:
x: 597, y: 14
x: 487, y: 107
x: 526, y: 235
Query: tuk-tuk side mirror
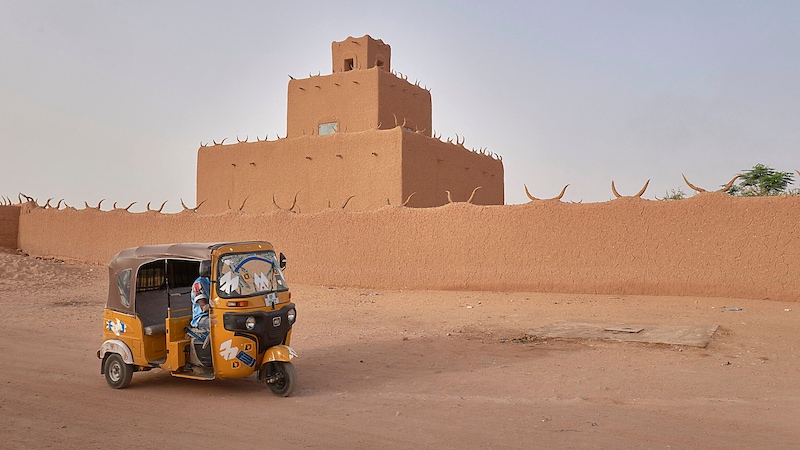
x: 282, y: 262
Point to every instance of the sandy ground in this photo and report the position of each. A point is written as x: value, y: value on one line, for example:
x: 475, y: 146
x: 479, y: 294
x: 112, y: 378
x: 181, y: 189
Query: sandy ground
x: 409, y: 369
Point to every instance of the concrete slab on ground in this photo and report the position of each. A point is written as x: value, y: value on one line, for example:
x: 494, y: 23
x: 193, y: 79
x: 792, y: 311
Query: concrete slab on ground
x: 689, y: 335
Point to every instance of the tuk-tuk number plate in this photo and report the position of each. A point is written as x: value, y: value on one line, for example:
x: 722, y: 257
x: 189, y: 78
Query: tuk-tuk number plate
x: 272, y: 298
x: 247, y: 359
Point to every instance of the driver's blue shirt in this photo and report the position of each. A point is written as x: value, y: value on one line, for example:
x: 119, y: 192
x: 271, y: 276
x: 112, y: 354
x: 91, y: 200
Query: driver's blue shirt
x: 202, y: 285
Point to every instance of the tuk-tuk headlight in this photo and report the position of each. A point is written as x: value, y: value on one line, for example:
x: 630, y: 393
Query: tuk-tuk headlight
x: 250, y: 323
x: 291, y: 314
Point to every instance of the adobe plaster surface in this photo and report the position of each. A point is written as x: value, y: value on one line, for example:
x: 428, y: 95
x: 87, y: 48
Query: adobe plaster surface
x: 709, y: 245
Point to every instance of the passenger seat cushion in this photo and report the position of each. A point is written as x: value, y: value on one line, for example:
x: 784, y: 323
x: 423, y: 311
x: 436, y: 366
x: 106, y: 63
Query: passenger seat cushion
x: 156, y: 330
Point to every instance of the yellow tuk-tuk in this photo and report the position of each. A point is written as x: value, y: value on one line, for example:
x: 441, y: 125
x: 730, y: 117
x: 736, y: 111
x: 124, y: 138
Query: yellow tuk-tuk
x: 147, y: 319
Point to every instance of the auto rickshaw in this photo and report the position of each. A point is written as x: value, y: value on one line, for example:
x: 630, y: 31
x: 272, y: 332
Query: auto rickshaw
x: 146, y: 321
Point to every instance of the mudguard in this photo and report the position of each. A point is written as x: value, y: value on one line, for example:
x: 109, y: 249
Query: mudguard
x: 115, y: 346
x: 279, y: 353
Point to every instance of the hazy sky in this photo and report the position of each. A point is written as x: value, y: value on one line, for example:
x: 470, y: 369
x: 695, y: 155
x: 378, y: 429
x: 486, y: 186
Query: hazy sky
x: 111, y: 99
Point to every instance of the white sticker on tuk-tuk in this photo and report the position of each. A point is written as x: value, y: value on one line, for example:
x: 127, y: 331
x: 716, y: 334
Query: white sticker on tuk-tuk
x: 116, y: 327
x: 227, y: 351
x: 272, y: 298
x: 262, y: 282
x: 229, y: 283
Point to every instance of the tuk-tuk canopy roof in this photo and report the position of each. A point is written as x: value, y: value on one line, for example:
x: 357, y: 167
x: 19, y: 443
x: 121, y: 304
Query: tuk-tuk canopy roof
x: 132, y: 258
x: 135, y: 256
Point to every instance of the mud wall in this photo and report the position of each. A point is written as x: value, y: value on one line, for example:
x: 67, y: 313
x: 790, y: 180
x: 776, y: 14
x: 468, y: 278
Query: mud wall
x: 708, y: 245
x: 432, y: 167
x: 322, y: 171
x: 359, y: 100
x: 9, y: 226
x: 365, y: 52
x: 370, y: 168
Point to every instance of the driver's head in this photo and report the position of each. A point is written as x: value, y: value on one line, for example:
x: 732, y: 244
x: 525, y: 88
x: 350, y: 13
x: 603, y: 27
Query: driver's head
x: 205, y: 268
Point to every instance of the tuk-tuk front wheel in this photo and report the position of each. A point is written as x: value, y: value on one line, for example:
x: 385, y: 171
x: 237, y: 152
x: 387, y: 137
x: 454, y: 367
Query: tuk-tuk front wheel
x: 118, y: 374
x: 281, y: 377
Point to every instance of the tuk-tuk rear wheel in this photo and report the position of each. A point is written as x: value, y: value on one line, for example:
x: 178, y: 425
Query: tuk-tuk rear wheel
x: 118, y: 374
x: 282, y: 378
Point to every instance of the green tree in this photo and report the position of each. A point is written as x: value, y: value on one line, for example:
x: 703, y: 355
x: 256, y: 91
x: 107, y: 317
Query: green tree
x: 673, y: 194
x: 762, y: 180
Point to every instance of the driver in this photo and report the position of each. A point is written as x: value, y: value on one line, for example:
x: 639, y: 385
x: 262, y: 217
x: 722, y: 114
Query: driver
x: 201, y: 289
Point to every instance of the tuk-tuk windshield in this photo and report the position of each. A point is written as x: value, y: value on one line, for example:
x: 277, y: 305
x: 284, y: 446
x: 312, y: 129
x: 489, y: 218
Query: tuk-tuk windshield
x: 249, y: 274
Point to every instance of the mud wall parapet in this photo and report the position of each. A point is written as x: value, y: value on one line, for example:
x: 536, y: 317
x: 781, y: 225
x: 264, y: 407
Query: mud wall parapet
x: 709, y: 245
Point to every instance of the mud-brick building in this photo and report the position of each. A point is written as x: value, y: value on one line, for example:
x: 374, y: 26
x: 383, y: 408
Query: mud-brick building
x: 361, y: 136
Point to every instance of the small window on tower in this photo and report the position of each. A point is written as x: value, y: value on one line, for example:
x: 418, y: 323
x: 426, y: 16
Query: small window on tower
x: 328, y: 128
x: 348, y: 64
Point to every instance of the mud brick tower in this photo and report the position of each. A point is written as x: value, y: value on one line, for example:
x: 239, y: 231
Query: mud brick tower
x: 361, y: 136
